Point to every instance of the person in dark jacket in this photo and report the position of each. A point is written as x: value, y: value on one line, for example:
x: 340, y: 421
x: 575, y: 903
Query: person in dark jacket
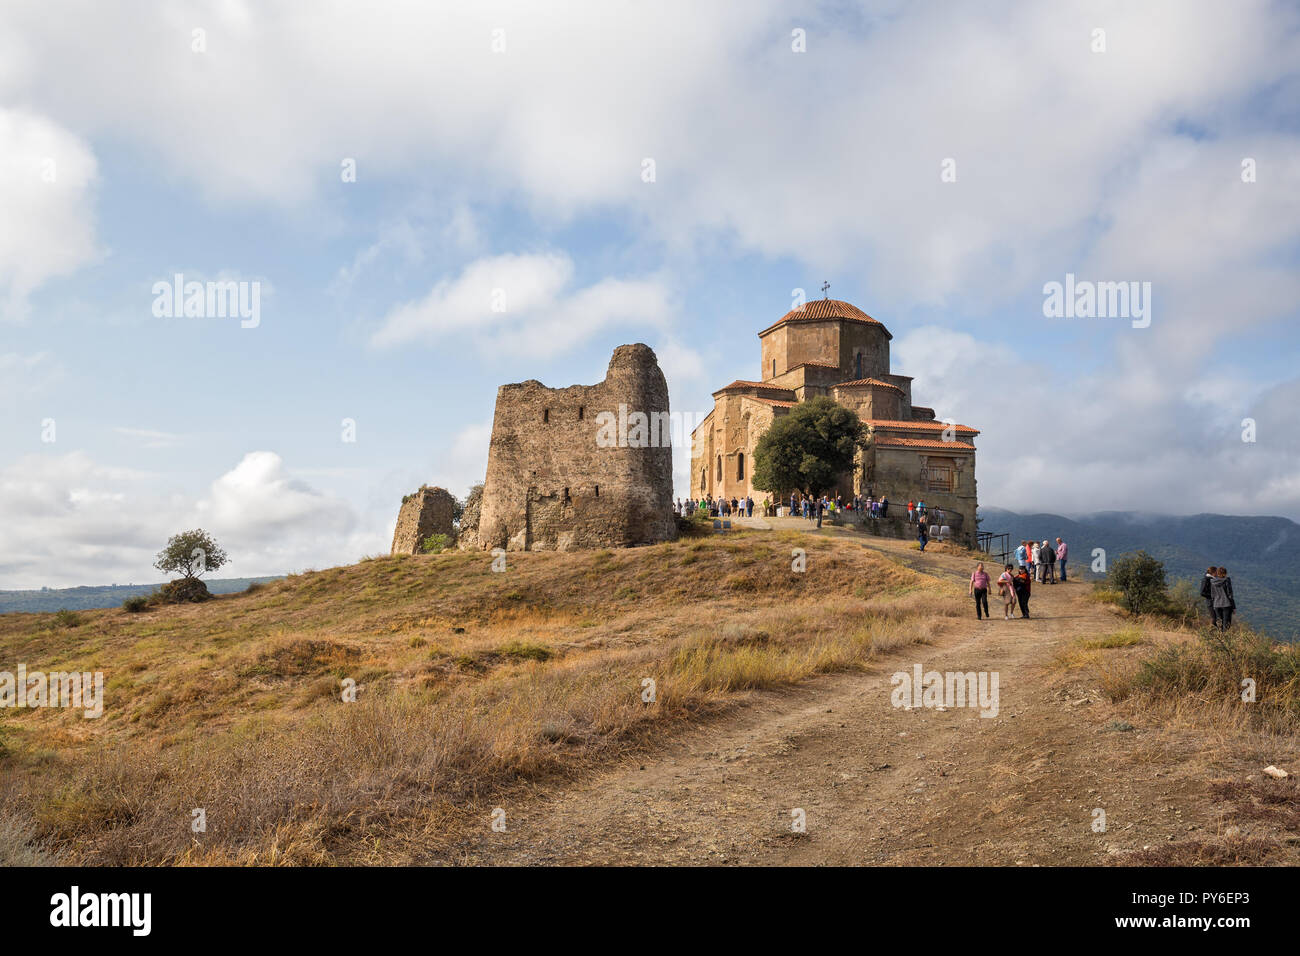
x: 1210, y: 574
x: 1021, y: 583
x: 1224, y: 604
x: 921, y: 536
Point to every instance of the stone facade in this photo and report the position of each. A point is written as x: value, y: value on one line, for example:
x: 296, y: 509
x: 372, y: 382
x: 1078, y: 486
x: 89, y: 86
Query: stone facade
x: 835, y: 349
x: 426, y: 512
x: 587, y: 466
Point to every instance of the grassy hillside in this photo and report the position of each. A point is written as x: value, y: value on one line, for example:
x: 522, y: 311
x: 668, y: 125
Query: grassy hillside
x: 471, y: 684
x: 1261, y: 554
x: 100, y: 596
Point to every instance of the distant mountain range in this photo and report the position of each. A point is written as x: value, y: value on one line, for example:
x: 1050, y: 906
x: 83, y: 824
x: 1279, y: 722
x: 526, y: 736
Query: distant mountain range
x: 107, y: 595
x: 1262, y: 555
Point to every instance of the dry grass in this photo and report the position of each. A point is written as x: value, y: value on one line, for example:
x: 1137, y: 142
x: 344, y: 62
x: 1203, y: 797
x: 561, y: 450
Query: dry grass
x: 470, y: 683
x: 1125, y: 637
x: 1233, y: 851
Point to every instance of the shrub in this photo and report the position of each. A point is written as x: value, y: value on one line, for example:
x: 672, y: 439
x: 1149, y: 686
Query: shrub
x: 1183, y: 602
x: 66, y: 618
x: 135, y: 604
x: 435, y: 544
x: 181, y: 591
x: 1216, y: 664
x: 1140, y: 579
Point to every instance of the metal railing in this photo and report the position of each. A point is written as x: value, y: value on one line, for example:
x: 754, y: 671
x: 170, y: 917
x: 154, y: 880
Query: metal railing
x: 988, y: 540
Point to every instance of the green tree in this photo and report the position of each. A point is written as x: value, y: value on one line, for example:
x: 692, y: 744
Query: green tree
x: 809, y: 448
x: 191, y: 554
x: 1140, y: 578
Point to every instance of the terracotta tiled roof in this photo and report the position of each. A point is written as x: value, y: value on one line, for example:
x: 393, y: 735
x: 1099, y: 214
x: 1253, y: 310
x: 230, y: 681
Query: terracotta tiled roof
x: 813, y: 364
x: 875, y: 382
x: 772, y: 401
x: 824, y: 309
x: 894, y: 441
x: 881, y: 424
x: 763, y: 386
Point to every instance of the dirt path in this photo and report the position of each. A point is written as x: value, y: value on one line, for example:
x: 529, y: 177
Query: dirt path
x: 884, y: 785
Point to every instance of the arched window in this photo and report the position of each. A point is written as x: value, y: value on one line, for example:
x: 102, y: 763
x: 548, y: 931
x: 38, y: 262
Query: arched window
x: 598, y: 491
x: 719, y: 468
x: 704, y: 478
x: 857, y: 369
x: 740, y: 467
x: 774, y: 368
x: 582, y: 412
x: 546, y: 415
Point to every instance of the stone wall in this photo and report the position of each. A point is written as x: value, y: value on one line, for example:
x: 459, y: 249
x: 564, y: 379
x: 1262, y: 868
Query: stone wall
x: 426, y: 512
x: 896, y: 472
x: 586, y: 466
x: 726, y: 439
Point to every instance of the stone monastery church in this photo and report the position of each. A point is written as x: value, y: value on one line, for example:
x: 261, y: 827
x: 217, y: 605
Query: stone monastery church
x: 835, y: 349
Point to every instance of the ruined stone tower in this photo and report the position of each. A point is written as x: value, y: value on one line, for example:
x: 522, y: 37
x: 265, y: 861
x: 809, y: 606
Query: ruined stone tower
x: 586, y: 466
x: 426, y: 512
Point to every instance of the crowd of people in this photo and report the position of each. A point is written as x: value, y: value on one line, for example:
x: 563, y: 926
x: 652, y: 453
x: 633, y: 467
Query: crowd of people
x: 720, y: 507
x: 868, y: 507
x: 1034, y: 561
x: 1041, y: 559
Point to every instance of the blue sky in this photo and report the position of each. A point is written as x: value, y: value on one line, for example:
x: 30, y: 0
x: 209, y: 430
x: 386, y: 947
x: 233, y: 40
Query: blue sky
x: 521, y: 169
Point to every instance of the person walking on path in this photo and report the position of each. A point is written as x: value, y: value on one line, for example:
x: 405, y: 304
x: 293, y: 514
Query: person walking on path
x: 1007, y: 591
x: 1224, y: 603
x: 921, y: 536
x: 979, y: 589
x: 821, y: 507
x: 1022, y: 584
x: 1050, y: 555
x: 1062, y: 552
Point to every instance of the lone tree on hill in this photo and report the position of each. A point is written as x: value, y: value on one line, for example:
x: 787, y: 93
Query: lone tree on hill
x: 808, y: 449
x: 191, y: 554
x: 1140, y: 578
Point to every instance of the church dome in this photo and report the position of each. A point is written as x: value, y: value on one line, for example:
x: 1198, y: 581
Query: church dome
x: 820, y: 309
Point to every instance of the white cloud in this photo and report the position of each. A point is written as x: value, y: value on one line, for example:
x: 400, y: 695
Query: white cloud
x: 1131, y: 436
x: 258, y: 502
x: 523, y: 304
x: 70, y: 520
x: 47, y: 225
